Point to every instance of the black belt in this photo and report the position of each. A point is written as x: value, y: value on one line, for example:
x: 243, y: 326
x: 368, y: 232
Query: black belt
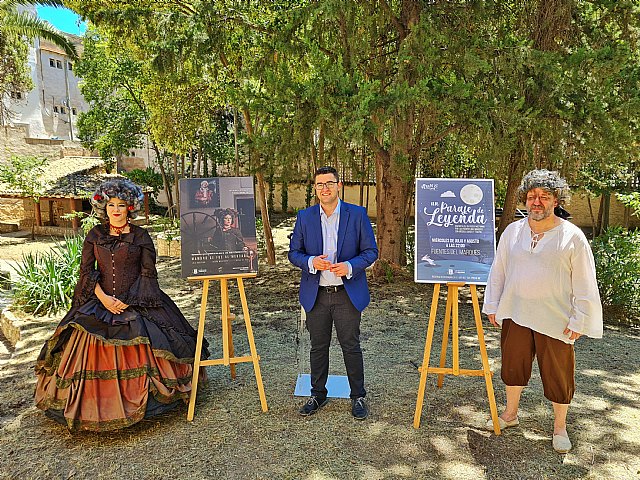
x: 331, y: 288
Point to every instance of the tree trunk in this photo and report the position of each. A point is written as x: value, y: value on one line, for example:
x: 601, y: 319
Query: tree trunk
x: 165, y: 180
x: 236, y: 151
x: 362, y: 175
x: 511, y: 198
x: 593, y: 220
x: 314, y: 156
x: 606, y: 206
x: 320, y: 147
x: 600, y: 215
x: 392, y: 197
x: 266, y: 224
x: 175, y: 183
x: 199, y: 161
x: 262, y: 197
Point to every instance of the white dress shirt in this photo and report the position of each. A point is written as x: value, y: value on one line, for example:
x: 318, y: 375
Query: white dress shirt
x: 329, y: 224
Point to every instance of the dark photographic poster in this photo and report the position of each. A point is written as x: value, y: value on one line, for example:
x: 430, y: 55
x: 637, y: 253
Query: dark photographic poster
x: 218, y: 226
x: 455, y: 230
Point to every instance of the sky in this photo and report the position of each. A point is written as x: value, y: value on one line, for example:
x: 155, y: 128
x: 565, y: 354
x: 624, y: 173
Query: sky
x: 63, y: 19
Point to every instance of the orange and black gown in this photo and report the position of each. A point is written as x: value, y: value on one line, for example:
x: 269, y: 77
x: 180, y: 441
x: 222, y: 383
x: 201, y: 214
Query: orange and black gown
x: 101, y: 371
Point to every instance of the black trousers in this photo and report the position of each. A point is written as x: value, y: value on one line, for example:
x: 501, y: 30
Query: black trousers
x: 335, y: 308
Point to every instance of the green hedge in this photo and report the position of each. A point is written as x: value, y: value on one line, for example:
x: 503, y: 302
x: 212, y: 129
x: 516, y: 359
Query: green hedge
x: 617, y: 256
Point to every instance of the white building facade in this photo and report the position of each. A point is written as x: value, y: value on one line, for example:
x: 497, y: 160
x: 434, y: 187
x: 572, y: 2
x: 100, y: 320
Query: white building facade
x: 50, y: 110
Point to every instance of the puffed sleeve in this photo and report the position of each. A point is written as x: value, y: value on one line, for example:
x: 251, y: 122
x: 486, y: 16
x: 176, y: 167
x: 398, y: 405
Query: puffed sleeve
x: 145, y: 291
x: 586, y: 311
x: 89, y: 274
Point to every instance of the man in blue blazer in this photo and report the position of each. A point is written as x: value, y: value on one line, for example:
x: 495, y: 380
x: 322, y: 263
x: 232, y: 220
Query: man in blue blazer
x: 333, y: 243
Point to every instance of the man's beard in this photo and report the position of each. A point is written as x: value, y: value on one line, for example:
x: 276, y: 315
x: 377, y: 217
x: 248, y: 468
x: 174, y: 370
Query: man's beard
x: 540, y: 215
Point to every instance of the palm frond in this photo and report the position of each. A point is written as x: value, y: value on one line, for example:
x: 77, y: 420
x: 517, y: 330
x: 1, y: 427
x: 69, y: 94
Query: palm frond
x: 44, y: 3
x: 25, y: 24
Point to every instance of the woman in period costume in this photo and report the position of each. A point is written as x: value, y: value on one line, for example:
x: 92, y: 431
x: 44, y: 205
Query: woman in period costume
x: 124, y: 351
x: 228, y: 238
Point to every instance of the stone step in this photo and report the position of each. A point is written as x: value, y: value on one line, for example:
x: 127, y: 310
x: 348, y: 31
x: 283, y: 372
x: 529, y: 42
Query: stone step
x: 17, y: 234
x: 6, y: 349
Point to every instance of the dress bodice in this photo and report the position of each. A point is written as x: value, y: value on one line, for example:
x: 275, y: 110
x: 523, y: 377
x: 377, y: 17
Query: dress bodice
x: 118, y: 263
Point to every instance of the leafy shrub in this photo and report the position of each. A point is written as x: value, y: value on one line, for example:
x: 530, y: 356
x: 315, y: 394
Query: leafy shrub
x: 617, y: 256
x: 46, y: 281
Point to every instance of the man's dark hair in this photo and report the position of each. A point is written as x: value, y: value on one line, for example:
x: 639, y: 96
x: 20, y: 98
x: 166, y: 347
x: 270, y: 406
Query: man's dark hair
x: 325, y: 170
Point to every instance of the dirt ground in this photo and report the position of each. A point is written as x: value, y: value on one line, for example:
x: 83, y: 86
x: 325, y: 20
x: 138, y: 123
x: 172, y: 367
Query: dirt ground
x: 230, y: 437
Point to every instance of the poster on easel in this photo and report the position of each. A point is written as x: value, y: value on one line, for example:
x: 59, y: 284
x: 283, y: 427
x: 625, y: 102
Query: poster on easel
x: 218, y: 226
x: 455, y: 237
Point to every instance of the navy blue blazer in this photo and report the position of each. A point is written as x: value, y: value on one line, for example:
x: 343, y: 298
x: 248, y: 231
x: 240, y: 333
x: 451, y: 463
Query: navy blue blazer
x: 356, y: 244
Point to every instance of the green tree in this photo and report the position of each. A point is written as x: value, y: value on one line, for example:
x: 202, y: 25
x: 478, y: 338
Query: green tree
x: 113, y: 83
x: 15, y: 26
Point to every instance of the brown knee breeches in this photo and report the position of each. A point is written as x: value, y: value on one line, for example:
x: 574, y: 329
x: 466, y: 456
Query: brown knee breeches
x: 556, y: 361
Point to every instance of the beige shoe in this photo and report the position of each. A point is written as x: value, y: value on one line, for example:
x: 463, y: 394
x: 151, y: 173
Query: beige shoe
x: 561, y: 444
x: 503, y: 424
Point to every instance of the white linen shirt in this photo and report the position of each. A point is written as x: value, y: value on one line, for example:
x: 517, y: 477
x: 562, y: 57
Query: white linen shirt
x: 547, y: 288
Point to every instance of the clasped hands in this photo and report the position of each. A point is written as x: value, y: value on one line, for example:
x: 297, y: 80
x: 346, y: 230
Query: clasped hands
x: 572, y: 335
x: 338, y: 269
x: 114, y: 305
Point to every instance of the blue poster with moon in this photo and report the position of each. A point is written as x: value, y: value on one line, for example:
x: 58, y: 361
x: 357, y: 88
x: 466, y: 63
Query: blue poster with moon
x: 455, y: 238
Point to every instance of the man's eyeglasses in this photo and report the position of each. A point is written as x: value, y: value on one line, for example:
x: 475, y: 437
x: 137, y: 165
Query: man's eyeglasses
x: 320, y: 186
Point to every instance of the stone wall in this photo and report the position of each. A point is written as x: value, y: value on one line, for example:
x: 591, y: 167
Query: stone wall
x: 11, y: 211
x: 130, y: 163
x: 15, y: 141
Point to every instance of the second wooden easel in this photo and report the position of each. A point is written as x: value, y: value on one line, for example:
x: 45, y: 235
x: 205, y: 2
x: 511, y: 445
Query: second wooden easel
x: 451, y: 316
x: 228, y: 356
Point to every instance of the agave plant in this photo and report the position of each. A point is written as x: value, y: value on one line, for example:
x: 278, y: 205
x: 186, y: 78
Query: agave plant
x: 46, y: 281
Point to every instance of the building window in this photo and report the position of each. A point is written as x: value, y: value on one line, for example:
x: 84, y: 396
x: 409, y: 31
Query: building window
x: 55, y: 108
x: 16, y: 95
x: 74, y: 111
x: 52, y: 63
x: 63, y: 110
x: 59, y: 64
x: 70, y: 66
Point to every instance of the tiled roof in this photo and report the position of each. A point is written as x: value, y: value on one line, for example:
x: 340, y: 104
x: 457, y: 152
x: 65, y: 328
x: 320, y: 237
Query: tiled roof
x: 76, y: 177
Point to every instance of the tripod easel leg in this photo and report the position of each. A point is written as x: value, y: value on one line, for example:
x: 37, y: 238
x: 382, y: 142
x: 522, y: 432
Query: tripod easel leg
x: 445, y: 340
x: 198, y: 352
x: 485, y: 361
x: 252, y: 345
x: 455, y: 331
x: 227, y: 333
x: 427, y: 353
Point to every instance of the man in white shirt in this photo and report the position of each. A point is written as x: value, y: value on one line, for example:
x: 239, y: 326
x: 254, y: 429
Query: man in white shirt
x: 542, y: 292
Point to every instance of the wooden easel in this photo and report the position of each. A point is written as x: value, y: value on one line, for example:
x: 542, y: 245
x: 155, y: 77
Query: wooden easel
x: 228, y: 357
x: 451, y: 316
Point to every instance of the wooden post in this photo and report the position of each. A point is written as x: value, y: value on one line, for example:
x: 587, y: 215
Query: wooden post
x: 451, y: 314
x: 52, y: 219
x: 75, y: 221
x: 37, y: 213
x: 146, y: 207
x: 228, y: 355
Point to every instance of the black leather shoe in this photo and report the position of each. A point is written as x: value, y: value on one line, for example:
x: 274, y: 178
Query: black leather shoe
x: 312, y: 406
x: 359, y: 408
